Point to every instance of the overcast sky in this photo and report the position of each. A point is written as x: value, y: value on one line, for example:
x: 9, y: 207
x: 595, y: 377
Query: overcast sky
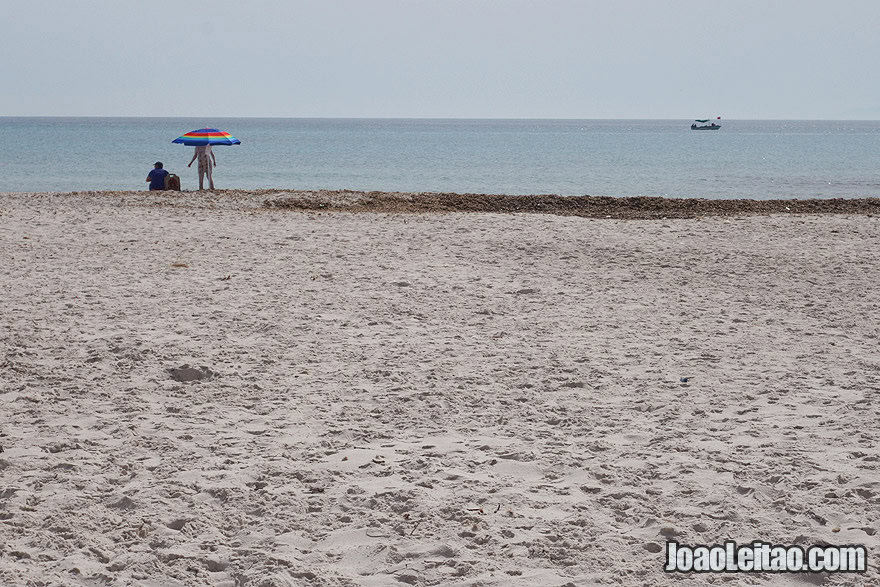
x: 790, y: 59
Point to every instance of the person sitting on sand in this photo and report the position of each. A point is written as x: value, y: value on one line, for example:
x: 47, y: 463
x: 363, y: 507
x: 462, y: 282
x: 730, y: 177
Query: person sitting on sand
x: 205, y: 155
x: 156, y: 177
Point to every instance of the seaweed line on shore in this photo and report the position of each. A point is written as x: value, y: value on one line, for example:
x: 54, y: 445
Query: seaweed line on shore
x: 585, y: 206
x: 623, y: 208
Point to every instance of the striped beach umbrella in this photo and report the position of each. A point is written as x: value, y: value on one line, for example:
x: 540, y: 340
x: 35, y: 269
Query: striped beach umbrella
x: 206, y: 136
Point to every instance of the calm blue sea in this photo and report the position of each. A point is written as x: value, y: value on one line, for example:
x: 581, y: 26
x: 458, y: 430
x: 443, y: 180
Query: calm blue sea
x: 745, y: 159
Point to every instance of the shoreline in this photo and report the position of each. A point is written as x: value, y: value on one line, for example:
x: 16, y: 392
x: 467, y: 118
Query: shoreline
x: 624, y: 208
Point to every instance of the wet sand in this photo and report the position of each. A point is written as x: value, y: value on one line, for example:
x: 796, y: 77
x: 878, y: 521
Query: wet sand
x: 209, y: 389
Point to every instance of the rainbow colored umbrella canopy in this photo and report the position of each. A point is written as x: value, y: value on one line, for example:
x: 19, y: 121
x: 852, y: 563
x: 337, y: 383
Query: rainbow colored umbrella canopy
x: 206, y: 136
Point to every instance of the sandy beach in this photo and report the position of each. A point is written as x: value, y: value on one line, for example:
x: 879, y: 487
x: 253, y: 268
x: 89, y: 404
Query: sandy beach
x: 209, y: 389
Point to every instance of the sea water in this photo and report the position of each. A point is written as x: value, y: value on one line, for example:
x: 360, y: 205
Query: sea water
x: 744, y: 159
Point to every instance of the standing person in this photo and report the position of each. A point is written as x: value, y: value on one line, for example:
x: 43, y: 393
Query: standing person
x: 156, y: 177
x: 206, y: 157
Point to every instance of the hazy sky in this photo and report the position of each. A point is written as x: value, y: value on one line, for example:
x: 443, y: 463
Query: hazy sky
x: 442, y: 58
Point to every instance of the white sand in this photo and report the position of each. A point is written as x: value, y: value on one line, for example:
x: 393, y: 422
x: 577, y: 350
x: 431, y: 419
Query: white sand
x: 438, y: 399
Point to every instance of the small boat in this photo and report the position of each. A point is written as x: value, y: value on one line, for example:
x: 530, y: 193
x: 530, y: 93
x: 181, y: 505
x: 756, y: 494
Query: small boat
x: 705, y: 124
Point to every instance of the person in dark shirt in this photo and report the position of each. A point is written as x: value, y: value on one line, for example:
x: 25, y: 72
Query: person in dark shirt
x: 157, y: 176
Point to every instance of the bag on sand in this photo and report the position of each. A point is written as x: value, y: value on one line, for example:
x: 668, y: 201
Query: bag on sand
x: 172, y: 182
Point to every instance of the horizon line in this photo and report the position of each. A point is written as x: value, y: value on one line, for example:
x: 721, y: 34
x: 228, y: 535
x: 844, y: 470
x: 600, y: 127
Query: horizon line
x: 7, y: 116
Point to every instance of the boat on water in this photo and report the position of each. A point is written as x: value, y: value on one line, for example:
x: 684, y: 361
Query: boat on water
x: 705, y: 124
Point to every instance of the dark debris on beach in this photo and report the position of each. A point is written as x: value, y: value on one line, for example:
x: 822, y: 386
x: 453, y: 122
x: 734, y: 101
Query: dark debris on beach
x: 631, y: 208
